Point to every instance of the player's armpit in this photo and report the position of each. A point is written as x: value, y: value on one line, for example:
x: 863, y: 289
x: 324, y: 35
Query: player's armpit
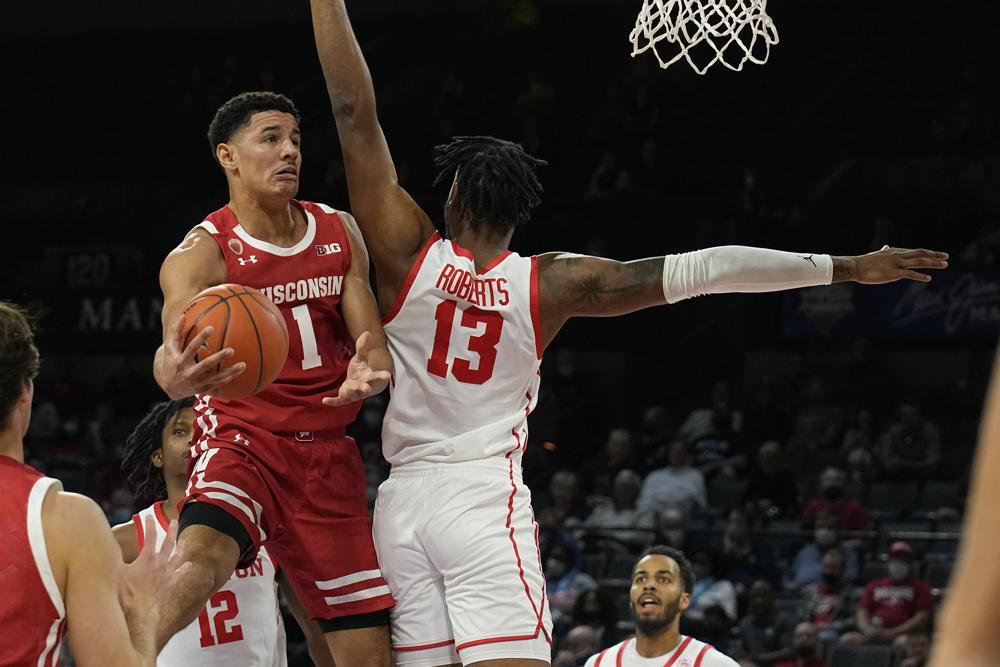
x: 584, y: 286
x: 192, y: 266
x: 81, y: 547
x: 128, y: 540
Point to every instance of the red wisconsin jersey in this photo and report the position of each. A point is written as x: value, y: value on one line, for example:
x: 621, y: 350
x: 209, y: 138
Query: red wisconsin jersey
x: 32, y: 614
x: 305, y: 282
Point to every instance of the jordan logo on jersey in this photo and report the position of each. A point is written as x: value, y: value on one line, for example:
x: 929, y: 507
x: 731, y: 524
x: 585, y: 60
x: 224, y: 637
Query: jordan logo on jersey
x: 252, y: 260
x: 323, y: 249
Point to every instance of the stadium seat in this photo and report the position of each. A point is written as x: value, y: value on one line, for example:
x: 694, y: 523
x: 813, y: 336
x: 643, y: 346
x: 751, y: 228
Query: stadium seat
x: 621, y: 567
x: 890, y: 500
x: 937, y: 494
x: 861, y: 656
x: 938, y: 574
x: 725, y: 493
x: 874, y: 570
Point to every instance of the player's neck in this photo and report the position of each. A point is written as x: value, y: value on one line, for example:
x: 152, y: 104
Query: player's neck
x: 270, y: 221
x: 11, y: 445
x: 653, y: 646
x: 484, y: 248
x: 175, y: 494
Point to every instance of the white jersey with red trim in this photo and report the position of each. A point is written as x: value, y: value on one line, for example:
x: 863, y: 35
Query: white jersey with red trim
x: 467, y: 352
x: 241, y: 623
x: 689, y: 653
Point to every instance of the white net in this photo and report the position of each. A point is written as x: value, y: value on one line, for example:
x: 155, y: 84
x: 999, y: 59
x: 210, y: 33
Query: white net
x: 705, y: 32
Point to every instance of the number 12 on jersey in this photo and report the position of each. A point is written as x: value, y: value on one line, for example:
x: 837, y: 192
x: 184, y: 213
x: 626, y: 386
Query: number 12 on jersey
x: 484, y: 345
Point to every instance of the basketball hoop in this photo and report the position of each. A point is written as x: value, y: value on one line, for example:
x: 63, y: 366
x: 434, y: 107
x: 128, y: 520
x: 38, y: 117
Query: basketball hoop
x: 730, y: 32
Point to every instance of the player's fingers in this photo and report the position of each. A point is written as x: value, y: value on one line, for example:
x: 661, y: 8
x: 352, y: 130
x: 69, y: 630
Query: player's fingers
x: 170, y: 541
x: 212, y: 361
x: 922, y: 253
x: 339, y: 399
x: 361, y: 347
x: 925, y: 263
x: 380, y: 376
x: 196, y: 344
x: 915, y: 275
x: 175, y: 334
x: 227, y: 375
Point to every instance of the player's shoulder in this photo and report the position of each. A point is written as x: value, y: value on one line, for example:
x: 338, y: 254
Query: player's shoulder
x: 604, y: 655
x: 127, y: 537
x: 716, y: 658
x: 71, y: 511
x: 321, y: 209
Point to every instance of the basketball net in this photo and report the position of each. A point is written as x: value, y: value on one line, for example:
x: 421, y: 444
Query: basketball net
x: 730, y: 32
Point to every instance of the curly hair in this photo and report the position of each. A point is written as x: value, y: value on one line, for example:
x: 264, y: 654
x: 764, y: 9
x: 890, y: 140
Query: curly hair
x: 497, y: 182
x: 145, y: 478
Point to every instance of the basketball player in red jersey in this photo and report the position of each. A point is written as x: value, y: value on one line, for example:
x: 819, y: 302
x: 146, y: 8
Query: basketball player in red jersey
x: 467, y: 322
x: 59, y: 566
x: 241, y: 626
x: 277, y: 468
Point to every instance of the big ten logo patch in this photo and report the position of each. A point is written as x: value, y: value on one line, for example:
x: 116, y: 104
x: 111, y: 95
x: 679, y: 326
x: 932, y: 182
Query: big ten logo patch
x: 323, y: 249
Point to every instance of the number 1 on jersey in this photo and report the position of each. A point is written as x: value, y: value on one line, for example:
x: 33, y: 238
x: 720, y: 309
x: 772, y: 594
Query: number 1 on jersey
x: 485, y: 344
x: 310, y: 351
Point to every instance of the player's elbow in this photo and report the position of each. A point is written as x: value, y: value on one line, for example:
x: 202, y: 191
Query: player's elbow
x: 344, y: 105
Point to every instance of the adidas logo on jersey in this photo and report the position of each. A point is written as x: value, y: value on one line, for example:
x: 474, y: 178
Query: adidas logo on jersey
x: 327, y: 249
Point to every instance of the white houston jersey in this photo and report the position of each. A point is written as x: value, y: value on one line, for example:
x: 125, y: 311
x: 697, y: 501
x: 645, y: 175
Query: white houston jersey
x: 241, y: 623
x: 467, y: 352
x: 689, y: 653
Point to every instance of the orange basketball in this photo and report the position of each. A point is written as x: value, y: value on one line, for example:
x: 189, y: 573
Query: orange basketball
x: 247, y: 321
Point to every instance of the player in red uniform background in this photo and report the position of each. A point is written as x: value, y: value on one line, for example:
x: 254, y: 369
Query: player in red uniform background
x: 59, y: 567
x: 277, y: 467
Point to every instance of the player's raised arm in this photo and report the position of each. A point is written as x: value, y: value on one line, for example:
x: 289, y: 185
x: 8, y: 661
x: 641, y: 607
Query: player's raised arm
x: 191, y: 267
x: 583, y: 286
x: 394, y: 226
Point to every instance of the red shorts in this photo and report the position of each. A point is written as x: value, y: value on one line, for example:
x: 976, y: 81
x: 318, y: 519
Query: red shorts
x: 305, y: 495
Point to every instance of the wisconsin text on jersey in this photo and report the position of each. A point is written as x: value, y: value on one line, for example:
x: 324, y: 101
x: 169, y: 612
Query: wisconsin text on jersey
x: 310, y: 288
x: 469, y: 287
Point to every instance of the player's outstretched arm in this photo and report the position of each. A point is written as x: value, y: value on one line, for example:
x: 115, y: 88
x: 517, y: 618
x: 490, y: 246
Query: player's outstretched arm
x: 583, y: 286
x: 371, y: 368
x: 111, y: 610
x: 393, y: 224
x: 967, y: 629
x: 194, y: 265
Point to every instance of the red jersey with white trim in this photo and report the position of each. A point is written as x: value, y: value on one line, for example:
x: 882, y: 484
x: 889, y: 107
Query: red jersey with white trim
x: 241, y: 623
x: 305, y: 282
x: 32, y: 613
x: 467, y: 353
x: 689, y: 653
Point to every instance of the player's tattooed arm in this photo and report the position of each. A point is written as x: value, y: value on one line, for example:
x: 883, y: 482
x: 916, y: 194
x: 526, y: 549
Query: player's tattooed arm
x: 583, y: 286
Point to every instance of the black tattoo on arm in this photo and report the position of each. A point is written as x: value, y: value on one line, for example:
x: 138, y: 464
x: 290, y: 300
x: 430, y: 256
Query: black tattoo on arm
x: 604, y: 287
x: 843, y: 269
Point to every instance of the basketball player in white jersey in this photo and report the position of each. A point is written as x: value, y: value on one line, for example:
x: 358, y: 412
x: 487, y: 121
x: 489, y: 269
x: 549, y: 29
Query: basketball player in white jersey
x: 661, y: 590
x: 60, y: 573
x: 467, y: 322
x: 241, y: 625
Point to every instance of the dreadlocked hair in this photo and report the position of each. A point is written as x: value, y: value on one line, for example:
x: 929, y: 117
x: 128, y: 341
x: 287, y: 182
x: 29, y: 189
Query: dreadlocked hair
x: 145, y: 478
x: 497, y: 183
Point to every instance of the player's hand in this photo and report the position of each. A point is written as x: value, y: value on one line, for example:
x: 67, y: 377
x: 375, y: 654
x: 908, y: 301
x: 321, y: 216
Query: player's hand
x: 182, y: 374
x: 361, y: 381
x: 891, y: 264
x: 141, y: 583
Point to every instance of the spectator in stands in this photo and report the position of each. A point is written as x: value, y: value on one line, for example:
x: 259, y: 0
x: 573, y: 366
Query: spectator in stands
x: 655, y: 429
x: 767, y: 417
x: 772, y: 488
x: 720, y: 453
x: 744, y: 558
x: 676, y: 485
x: 631, y: 524
x: 807, y: 567
x: 564, y: 580
x: 720, y: 415
x: 858, y: 451
x: 619, y: 454
x: 826, y: 604
x: 911, y: 447
x: 816, y: 428
x: 805, y: 648
x: 766, y: 634
x: 564, y: 504
x: 581, y: 643
x: 672, y: 530
x: 851, y: 516
x: 595, y: 610
x: 917, y: 650
x: 709, y: 589
x: 895, y: 605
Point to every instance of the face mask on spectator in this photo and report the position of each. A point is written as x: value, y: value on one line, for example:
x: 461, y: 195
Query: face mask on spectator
x: 825, y: 537
x: 899, y: 570
x: 831, y: 578
x: 832, y: 492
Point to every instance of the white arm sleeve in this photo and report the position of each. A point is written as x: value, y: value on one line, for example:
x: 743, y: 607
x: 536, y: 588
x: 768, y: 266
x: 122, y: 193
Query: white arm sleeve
x: 735, y: 268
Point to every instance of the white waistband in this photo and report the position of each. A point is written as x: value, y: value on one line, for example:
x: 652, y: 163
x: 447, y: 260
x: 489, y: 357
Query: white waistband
x: 491, y: 465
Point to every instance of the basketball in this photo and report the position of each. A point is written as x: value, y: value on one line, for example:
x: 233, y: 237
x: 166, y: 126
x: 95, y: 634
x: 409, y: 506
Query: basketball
x: 247, y: 321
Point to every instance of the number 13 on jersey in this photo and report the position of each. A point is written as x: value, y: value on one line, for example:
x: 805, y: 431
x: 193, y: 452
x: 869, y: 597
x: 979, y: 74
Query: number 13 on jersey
x: 484, y: 345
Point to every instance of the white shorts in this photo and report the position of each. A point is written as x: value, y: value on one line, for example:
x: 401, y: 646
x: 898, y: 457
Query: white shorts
x: 458, y: 547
